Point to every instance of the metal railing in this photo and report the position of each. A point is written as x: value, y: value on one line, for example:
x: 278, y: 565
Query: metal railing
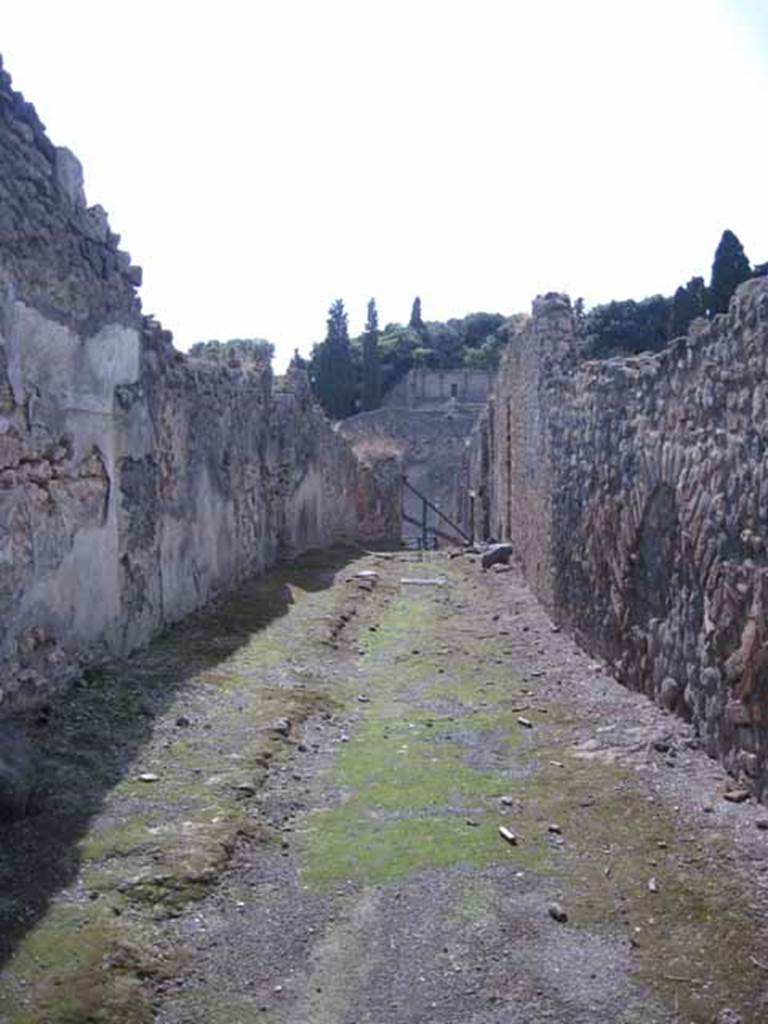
x: 429, y: 530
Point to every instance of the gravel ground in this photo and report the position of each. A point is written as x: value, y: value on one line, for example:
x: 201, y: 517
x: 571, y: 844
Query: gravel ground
x: 296, y: 815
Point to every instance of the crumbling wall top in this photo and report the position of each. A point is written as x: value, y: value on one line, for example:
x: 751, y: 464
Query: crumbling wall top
x: 56, y: 254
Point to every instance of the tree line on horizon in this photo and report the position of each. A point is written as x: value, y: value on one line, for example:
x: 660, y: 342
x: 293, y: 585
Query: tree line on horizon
x: 351, y: 374
x: 628, y: 327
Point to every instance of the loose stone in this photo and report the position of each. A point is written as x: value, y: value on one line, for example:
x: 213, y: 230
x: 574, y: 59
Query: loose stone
x: 736, y: 796
x: 246, y: 788
x: 557, y: 913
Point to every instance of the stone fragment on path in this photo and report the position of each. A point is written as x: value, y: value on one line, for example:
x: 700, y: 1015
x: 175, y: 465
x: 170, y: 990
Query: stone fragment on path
x: 554, y: 829
x: 736, y: 796
x: 508, y: 835
x: 762, y: 824
x: 653, y: 885
x: 368, y: 574
x: 438, y: 581
x: 496, y: 554
x: 557, y: 913
x: 525, y: 722
x: 366, y: 582
x: 282, y: 726
x: 148, y: 777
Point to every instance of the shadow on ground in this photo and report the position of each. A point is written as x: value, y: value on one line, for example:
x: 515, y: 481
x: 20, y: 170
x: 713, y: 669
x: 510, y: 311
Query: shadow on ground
x: 89, y: 738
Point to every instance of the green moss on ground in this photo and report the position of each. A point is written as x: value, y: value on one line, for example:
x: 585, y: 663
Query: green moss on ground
x: 157, y: 846
x: 437, y: 744
x: 408, y: 786
x: 78, y: 968
x: 406, y: 774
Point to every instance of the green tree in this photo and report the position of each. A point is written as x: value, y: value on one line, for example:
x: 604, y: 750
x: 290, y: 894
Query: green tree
x: 487, y: 355
x: 477, y: 328
x: 626, y: 328
x: 397, y: 346
x: 298, y: 362
x: 233, y: 350
x: 371, y: 396
x: 333, y: 370
x: 688, y: 302
x: 416, y: 322
x: 579, y: 315
x: 729, y: 269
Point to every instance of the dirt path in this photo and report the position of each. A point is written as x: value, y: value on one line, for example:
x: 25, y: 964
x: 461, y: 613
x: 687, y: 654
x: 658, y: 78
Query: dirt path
x: 289, y: 812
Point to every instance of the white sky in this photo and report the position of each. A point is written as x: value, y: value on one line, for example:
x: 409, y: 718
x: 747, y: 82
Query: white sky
x: 263, y: 158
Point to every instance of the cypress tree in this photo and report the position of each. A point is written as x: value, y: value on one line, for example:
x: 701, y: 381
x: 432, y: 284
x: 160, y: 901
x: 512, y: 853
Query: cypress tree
x: 334, y: 376
x: 729, y: 269
x: 371, y: 360
x: 416, y: 322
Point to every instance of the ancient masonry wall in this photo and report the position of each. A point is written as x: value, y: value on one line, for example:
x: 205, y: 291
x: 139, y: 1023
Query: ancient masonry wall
x: 432, y: 389
x: 427, y: 418
x: 635, y: 492
x: 135, y: 483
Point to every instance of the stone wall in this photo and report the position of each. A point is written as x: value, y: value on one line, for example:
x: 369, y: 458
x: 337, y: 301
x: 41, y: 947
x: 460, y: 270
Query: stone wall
x: 379, y: 493
x: 135, y: 483
x: 426, y: 418
x: 422, y: 389
x: 635, y: 492
x: 431, y: 445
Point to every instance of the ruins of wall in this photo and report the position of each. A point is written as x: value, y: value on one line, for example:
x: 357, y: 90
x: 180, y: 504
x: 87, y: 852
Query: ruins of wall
x: 427, y: 418
x: 431, y: 444
x: 422, y: 389
x: 135, y: 483
x: 635, y: 492
x: 379, y: 494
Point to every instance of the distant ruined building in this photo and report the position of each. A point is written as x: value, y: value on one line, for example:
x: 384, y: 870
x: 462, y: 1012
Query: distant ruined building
x: 427, y: 418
